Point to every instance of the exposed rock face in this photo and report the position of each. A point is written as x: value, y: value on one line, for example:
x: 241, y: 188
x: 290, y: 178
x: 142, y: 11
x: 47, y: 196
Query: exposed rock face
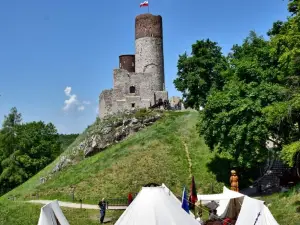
x: 63, y: 162
x: 114, y: 132
x: 102, y: 134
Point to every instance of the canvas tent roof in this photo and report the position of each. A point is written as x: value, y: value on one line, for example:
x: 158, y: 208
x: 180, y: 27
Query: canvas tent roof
x: 250, y: 209
x: 154, y: 206
x: 51, y: 214
x: 230, y: 202
x: 226, y: 195
x: 254, y: 211
x: 169, y: 192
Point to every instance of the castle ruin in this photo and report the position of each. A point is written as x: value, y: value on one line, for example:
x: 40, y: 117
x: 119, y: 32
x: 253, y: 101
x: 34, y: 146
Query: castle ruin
x: 139, y: 82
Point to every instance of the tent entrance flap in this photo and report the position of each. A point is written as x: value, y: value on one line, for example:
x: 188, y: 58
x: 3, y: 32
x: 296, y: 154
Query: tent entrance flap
x: 248, y: 211
x: 51, y: 214
x: 155, y: 205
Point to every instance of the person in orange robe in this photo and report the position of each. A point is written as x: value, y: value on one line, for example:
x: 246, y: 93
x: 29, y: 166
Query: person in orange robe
x: 234, y: 181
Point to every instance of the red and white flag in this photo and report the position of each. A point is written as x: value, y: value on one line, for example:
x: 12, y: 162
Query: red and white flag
x: 143, y: 4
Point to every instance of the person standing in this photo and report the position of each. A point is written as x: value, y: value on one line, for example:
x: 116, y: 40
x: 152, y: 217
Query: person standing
x: 102, y: 206
x: 234, y: 181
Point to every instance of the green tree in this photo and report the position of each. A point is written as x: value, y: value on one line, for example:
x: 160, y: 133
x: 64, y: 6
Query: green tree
x: 259, y: 97
x: 285, y: 114
x: 200, y: 72
x: 8, y: 133
x: 8, y: 143
x: 232, y: 120
x: 67, y: 139
x: 25, y: 149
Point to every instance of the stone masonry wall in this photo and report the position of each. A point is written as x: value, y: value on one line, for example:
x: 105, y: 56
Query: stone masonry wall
x: 127, y: 62
x: 149, y: 56
x: 123, y: 80
x: 145, y: 85
x: 142, y: 73
x: 105, y: 103
x: 148, y: 25
x: 163, y: 95
x: 149, y: 59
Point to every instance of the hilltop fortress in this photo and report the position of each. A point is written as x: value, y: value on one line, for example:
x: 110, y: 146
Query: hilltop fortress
x: 139, y: 82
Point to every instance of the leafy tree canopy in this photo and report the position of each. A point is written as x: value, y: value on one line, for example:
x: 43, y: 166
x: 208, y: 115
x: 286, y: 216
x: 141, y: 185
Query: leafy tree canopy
x: 251, y: 97
x: 25, y: 149
x: 200, y: 72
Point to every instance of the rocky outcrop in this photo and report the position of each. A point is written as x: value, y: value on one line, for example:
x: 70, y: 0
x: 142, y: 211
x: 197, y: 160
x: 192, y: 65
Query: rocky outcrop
x: 114, y: 132
x: 102, y: 134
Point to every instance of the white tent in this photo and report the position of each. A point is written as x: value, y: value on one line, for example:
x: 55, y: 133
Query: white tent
x: 51, y: 214
x: 254, y: 211
x: 169, y: 192
x: 155, y: 206
x: 249, y: 210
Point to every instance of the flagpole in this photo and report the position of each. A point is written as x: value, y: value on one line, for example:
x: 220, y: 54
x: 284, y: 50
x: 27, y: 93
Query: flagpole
x: 148, y: 6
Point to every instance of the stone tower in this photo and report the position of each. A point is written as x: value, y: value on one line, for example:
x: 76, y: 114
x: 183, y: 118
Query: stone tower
x: 139, y: 81
x: 149, y: 57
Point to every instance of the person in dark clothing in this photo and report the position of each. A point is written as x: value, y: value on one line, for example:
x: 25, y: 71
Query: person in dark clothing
x: 102, y: 205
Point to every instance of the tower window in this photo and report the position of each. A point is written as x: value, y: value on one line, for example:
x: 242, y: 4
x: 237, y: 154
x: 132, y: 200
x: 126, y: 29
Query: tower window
x: 132, y: 89
x: 132, y: 64
x: 132, y: 105
x: 120, y: 65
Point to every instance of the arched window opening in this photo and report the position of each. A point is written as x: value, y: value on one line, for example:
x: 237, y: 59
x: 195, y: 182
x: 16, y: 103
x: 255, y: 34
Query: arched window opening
x: 132, y: 89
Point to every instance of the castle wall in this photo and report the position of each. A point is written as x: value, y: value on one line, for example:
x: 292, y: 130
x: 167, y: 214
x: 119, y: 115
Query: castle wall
x: 149, y: 48
x: 149, y: 59
x: 145, y: 85
x: 139, y: 82
x: 163, y: 95
x: 123, y: 80
x: 105, y: 103
x: 148, y: 84
x: 127, y: 62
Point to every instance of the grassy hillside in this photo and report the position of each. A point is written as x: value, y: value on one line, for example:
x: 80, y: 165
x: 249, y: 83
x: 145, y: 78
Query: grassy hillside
x: 159, y: 153
x: 156, y: 154
x: 285, y: 206
x: 19, y: 213
x: 67, y: 139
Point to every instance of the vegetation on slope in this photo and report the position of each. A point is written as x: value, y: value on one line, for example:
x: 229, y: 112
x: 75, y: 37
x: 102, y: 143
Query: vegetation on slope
x: 25, y: 149
x: 156, y: 154
x: 285, y: 207
x: 66, y: 140
x: 249, y: 96
x: 21, y: 213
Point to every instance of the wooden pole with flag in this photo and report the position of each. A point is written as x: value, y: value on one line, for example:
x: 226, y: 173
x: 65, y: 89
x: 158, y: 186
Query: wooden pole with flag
x: 144, y: 4
x: 193, y: 195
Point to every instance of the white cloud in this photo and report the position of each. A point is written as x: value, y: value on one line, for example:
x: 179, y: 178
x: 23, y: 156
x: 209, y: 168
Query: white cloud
x: 80, y: 108
x: 72, y: 101
x: 86, y: 102
x: 68, y: 91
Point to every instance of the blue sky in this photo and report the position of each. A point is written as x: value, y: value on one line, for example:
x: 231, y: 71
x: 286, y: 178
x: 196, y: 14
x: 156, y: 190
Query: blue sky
x: 49, y: 45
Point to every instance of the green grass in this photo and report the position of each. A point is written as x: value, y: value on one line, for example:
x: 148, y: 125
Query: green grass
x: 156, y: 154
x: 20, y: 213
x: 284, y: 206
